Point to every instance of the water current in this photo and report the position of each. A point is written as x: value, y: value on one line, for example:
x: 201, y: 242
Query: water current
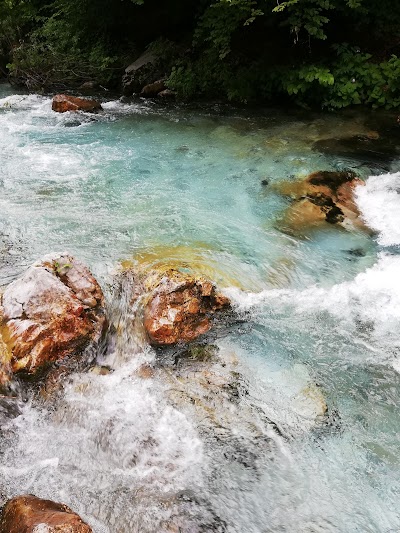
x: 319, y: 312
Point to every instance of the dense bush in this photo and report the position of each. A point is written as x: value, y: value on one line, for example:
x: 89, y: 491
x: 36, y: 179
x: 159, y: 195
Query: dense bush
x: 326, y: 53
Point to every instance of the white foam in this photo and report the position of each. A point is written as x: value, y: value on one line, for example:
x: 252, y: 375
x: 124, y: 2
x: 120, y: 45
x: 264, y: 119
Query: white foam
x: 120, y: 107
x: 372, y: 299
x: 110, y: 433
x: 24, y: 101
x: 379, y: 202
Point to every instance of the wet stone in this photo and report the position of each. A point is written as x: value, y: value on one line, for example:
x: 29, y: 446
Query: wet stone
x: 64, y: 102
x: 53, y: 312
x: 28, y: 514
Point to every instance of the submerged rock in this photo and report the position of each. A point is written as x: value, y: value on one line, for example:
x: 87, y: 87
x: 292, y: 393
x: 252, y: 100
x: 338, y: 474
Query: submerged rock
x: 64, y: 102
x: 205, y: 382
x: 55, y: 310
x: 180, y: 307
x: 323, y: 197
x: 370, y: 149
x: 204, y: 379
x: 28, y: 514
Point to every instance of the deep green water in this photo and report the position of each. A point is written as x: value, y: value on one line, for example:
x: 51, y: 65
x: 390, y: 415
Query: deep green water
x: 186, y: 185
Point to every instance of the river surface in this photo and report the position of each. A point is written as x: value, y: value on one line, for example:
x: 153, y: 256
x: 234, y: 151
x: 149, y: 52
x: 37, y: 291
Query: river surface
x: 194, y: 186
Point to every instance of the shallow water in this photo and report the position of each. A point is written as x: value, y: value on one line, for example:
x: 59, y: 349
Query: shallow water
x: 185, y: 186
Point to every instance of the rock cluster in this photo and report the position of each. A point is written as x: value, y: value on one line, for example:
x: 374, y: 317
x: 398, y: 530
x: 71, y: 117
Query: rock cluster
x: 57, y: 309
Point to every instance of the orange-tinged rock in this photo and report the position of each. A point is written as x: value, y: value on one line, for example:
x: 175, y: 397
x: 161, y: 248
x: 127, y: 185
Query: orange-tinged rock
x: 64, y: 102
x: 28, y: 514
x: 323, y: 197
x: 180, y: 307
x: 55, y: 310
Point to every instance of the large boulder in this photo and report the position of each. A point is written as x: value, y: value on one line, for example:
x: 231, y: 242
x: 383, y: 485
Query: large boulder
x: 180, y: 307
x: 323, y: 197
x: 63, y: 103
x: 55, y: 310
x: 28, y: 514
x: 140, y: 73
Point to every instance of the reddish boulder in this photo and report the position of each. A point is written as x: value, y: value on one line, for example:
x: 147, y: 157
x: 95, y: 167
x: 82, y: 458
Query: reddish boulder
x: 180, y: 307
x: 64, y: 102
x: 53, y: 311
x: 28, y: 514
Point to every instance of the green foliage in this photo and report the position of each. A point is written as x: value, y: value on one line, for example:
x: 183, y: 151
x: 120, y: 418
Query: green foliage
x: 242, y: 50
x: 204, y: 77
x: 352, y: 79
x: 57, y: 52
x: 221, y: 19
x: 308, y: 14
x: 52, y: 57
x: 15, y: 17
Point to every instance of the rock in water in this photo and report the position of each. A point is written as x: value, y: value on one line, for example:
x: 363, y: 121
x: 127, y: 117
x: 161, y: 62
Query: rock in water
x: 28, y: 514
x: 63, y: 102
x: 55, y: 310
x: 322, y: 197
x: 167, y: 305
x: 180, y: 307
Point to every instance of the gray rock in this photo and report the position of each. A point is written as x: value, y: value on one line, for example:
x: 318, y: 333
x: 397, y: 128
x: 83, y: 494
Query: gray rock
x: 140, y: 73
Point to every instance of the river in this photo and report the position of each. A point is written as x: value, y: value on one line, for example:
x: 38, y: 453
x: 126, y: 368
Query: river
x: 192, y: 184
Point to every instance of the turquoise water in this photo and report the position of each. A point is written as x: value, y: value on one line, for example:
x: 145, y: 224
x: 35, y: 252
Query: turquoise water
x: 186, y: 185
